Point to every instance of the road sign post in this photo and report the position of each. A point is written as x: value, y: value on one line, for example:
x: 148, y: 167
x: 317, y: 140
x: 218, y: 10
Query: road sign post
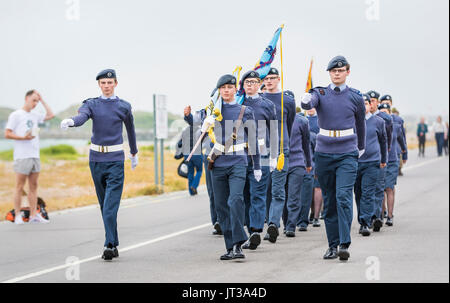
x: 161, y: 128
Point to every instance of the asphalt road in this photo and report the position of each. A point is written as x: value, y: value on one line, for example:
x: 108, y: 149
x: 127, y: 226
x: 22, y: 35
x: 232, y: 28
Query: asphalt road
x: 168, y: 239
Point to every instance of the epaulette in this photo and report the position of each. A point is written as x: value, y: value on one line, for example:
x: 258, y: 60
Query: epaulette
x: 320, y: 89
x: 87, y: 100
x: 356, y: 91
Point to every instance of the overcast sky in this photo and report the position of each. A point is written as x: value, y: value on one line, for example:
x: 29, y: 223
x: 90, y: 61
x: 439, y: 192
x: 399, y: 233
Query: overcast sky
x: 180, y: 48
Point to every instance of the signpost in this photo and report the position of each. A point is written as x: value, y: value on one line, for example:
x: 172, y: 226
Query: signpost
x: 161, y: 131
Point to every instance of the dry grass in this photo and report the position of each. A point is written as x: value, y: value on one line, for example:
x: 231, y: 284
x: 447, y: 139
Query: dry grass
x: 67, y: 183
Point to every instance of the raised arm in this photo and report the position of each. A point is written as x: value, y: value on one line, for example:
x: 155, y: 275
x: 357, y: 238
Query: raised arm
x: 310, y: 100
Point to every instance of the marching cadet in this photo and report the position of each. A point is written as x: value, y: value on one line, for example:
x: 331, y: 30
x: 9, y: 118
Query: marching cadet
x: 255, y: 192
x: 396, y: 119
x: 228, y: 162
x: 392, y: 166
x: 206, y: 149
x: 106, y: 158
x: 369, y: 165
x: 341, y: 111
x: 278, y: 178
x: 379, y: 192
x: 299, y: 155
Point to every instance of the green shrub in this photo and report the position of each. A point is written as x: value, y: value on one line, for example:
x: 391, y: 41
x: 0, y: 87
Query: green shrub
x: 57, y: 150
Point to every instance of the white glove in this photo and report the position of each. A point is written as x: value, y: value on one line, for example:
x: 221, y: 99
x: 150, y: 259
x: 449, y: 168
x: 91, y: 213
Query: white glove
x: 258, y: 175
x: 307, y: 98
x: 66, y: 123
x: 273, y: 164
x: 134, y: 161
x: 207, y: 123
x: 361, y: 152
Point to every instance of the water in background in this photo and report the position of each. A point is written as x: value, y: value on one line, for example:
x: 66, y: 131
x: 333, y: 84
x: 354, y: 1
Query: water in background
x: 8, y: 144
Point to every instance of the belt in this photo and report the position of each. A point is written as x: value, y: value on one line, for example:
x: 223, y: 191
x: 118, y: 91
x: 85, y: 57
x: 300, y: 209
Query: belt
x: 106, y: 149
x: 336, y: 133
x: 234, y: 148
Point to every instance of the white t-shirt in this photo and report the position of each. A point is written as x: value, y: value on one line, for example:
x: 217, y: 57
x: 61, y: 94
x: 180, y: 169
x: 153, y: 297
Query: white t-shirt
x: 21, y: 122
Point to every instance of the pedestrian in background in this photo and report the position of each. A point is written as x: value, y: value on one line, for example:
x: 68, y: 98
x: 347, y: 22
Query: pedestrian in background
x: 22, y: 127
x: 422, y: 130
x: 439, y: 130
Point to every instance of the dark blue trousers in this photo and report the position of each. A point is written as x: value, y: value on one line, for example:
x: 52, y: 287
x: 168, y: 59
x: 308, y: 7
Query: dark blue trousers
x: 209, y: 187
x: 255, y: 199
x: 195, y: 170
x: 440, y: 139
x: 365, y: 188
x: 306, y: 199
x: 294, y: 205
x: 108, y: 179
x: 278, y: 193
x: 337, y: 175
x: 228, y: 183
x: 379, y: 193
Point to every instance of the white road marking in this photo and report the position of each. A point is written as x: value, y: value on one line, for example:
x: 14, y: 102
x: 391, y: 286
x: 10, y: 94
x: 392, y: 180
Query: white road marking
x: 128, y: 248
x: 421, y: 164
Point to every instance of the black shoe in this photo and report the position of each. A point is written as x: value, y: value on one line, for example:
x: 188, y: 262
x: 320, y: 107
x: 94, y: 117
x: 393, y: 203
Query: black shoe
x: 290, y: 234
x: 116, y: 252
x: 273, y: 233
x: 343, y: 253
x: 217, y: 229
x: 311, y: 218
x: 193, y: 191
x: 108, y: 253
x: 316, y: 223
x: 237, y: 252
x: 377, y: 224
x: 331, y: 253
x: 365, y: 231
x: 253, y: 242
x: 303, y: 228
x: 227, y: 256
x: 390, y: 221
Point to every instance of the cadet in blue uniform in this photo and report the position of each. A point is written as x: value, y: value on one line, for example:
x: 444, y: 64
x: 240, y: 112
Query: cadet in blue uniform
x: 299, y: 165
x: 379, y: 192
x: 369, y: 166
x: 255, y: 192
x: 393, y: 164
x: 341, y: 111
x: 106, y: 157
x: 278, y: 178
x: 397, y: 119
x: 228, y: 161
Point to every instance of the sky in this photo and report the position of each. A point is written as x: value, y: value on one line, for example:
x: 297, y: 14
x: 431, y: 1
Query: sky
x: 181, y: 48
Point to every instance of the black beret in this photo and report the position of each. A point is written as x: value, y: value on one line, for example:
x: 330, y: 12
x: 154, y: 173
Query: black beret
x: 226, y: 79
x: 373, y: 94
x: 249, y: 75
x: 384, y: 106
x: 107, y: 73
x: 273, y: 71
x: 386, y: 98
x: 366, y: 97
x: 338, y: 61
x: 289, y: 93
